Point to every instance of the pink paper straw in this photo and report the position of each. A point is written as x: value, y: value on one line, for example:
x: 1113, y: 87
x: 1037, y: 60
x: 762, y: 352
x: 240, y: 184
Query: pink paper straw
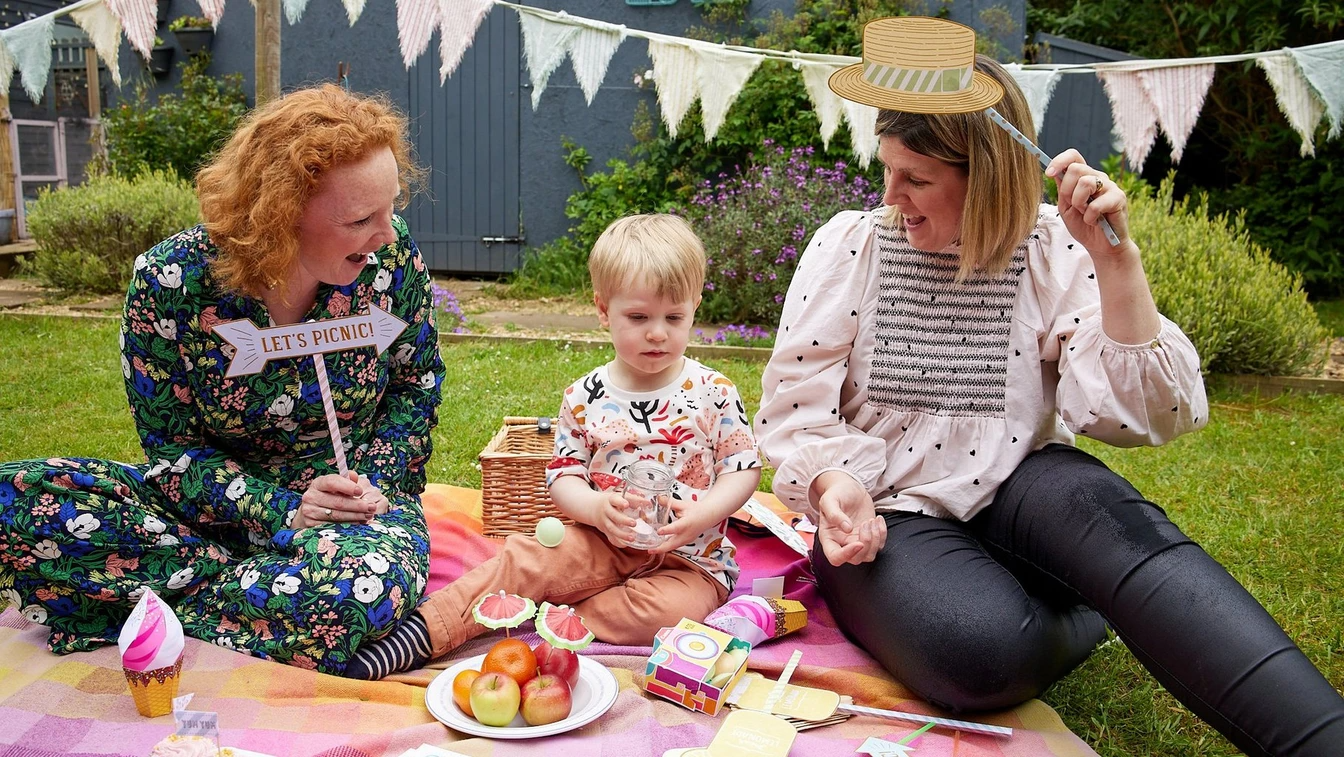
x: 330, y: 410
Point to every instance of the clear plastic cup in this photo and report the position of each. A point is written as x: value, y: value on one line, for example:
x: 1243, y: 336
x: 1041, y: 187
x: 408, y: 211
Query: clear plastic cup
x: 648, y: 492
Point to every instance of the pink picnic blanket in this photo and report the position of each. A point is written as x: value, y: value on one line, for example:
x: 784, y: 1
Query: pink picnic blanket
x: 79, y: 704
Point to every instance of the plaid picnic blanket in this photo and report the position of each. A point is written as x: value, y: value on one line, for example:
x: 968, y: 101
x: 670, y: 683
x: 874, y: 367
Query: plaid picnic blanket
x: 79, y: 705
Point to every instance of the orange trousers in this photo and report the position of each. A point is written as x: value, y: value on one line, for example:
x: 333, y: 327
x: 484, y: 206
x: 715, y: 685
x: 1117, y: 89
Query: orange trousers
x: 623, y: 595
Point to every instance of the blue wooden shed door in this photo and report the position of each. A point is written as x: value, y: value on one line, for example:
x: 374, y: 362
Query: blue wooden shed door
x: 467, y: 132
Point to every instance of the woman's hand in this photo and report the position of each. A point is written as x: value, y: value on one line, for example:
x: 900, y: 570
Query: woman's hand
x: 334, y: 499
x: 849, y: 529
x: 372, y: 494
x: 1086, y: 195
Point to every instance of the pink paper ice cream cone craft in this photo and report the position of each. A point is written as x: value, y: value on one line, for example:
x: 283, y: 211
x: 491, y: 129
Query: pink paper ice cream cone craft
x: 151, y: 644
x: 758, y: 619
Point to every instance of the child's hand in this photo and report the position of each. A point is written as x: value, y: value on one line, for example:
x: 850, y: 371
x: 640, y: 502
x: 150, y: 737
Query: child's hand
x: 684, y: 529
x: 610, y: 518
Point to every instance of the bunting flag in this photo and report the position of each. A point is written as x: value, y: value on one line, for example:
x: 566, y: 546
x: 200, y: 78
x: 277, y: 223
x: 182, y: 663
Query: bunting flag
x: 674, y: 71
x: 459, y: 21
x: 862, y: 130
x: 416, y: 22
x: 29, y: 45
x: 1299, y: 105
x: 825, y: 103
x: 1038, y: 87
x: 591, y: 53
x: 139, y: 18
x: 1133, y: 114
x: 104, y: 31
x: 213, y: 10
x: 1308, y: 81
x: 1177, y: 95
x: 1323, y: 65
x: 294, y: 10
x: 353, y: 9
x: 721, y: 76
x: 6, y: 64
x: 545, y: 44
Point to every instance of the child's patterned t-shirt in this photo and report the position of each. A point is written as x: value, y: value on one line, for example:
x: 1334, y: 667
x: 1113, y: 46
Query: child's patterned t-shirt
x: 696, y: 425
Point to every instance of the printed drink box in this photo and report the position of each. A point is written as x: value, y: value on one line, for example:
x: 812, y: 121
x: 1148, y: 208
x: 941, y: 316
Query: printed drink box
x: 693, y: 665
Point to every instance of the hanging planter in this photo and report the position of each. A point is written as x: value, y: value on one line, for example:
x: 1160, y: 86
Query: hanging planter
x: 193, y: 34
x: 194, y: 41
x: 160, y: 61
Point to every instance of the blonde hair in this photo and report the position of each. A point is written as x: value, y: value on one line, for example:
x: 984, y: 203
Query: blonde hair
x: 254, y: 191
x: 1003, y: 180
x: 654, y: 249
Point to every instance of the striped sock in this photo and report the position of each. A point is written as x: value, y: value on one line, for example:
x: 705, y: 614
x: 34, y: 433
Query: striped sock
x: 407, y: 647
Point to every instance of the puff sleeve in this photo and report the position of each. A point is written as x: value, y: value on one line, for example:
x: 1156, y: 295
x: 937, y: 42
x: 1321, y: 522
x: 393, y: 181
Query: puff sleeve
x: 1122, y: 394
x: 800, y: 428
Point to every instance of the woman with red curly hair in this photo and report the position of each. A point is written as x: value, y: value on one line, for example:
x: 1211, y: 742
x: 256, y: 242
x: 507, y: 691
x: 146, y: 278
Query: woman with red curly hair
x: 238, y: 517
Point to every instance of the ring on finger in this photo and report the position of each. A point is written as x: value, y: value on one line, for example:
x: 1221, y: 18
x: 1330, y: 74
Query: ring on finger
x: 1100, y: 186
x: 327, y: 510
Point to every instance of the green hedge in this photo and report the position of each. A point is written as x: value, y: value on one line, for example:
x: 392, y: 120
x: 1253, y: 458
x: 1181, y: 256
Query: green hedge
x: 1244, y: 312
x: 89, y: 236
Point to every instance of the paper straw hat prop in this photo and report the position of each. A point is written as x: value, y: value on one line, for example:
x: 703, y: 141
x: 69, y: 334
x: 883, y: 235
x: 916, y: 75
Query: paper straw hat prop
x: 916, y: 64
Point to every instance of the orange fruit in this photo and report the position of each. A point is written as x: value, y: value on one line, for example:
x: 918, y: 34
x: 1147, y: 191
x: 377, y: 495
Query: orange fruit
x: 513, y: 658
x: 462, y: 690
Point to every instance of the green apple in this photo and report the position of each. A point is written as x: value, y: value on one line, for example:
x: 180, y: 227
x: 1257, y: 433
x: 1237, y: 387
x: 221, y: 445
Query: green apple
x: 494, y: 699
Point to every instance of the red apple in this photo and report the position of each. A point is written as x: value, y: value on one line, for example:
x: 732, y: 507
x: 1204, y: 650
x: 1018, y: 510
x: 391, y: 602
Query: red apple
x: 494, y: 699
x: 558, y: 662
x: 546, y: 699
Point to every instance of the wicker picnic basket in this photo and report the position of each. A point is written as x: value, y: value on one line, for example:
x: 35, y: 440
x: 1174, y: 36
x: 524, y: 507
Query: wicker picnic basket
x: 513, y: 477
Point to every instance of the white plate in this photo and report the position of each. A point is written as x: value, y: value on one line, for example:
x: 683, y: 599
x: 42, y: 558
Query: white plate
x: 593, y: 695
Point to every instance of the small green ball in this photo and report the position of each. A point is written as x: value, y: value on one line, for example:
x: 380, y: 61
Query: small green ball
x: 550, y: 531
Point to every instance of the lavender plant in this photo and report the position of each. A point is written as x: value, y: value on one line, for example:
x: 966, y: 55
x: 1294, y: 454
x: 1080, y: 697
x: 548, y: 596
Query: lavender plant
x: 755, y: 224
x: 451, y: 318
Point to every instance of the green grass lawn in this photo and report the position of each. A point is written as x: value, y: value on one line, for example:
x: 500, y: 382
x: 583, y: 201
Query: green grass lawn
x: 1260, y: 488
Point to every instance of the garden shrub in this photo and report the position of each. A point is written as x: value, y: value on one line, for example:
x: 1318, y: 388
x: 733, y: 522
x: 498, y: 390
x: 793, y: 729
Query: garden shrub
x: 1244, y: 312
x: 755, y: 224
x: 180, y: 131
x: 89, y: 236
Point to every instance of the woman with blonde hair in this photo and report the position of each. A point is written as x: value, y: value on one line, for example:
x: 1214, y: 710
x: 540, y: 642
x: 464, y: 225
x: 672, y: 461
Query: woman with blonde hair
x: 934, y: 362
x: 238, y: 517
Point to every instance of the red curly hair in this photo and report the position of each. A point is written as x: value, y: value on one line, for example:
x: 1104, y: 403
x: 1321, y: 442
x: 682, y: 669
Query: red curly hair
x: 254, y: 191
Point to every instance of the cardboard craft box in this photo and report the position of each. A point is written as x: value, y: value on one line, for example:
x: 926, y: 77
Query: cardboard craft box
x: 694, y: 665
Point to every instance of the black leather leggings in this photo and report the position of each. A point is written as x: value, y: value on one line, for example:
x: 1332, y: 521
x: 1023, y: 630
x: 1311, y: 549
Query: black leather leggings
x: 988, y: 613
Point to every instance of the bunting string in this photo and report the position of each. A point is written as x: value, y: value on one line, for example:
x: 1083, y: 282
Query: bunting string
x: 1146, y: 95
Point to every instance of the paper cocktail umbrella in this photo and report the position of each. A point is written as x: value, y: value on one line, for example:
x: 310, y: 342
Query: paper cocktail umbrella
x: 503, y: 610
x: 562, y: 628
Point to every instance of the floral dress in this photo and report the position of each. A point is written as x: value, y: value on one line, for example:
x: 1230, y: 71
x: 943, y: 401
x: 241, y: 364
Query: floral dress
x: 206, y: 520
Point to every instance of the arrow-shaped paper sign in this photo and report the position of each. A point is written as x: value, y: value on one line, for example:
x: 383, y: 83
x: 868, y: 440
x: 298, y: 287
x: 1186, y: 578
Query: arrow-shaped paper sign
x: 255, y: 346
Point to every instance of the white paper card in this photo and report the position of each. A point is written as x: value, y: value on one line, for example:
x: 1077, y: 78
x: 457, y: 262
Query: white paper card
x: 770, y: 588
x: 777, y: 526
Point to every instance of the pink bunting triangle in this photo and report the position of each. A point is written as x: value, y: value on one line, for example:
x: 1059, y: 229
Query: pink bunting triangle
x: 1133, y: 113
x: 1177, y: 94
x: 459, y: 21
x: 139, y: 18
x: 213, y: 10
x: 416, y: 22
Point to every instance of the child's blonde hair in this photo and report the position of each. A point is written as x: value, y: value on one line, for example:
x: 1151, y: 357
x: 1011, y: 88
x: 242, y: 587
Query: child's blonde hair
x: 654, y: 249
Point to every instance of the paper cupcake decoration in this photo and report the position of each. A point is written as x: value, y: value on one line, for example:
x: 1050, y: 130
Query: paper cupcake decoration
x: 758, y: 619
x: 151, y: 644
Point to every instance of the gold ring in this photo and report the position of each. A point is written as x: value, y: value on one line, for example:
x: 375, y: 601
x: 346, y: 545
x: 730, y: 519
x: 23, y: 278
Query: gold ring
x: 1099, y: 187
